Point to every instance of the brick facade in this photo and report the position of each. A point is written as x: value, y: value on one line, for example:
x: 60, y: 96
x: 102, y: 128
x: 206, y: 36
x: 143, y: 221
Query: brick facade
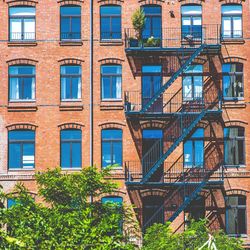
x: 47, y: 115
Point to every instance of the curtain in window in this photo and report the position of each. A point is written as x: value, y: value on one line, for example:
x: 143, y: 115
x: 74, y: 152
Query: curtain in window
x: 15, y: 29
x: 237, y: 24
x: 79, y: 89
x: 226, y: 23
x: 63, y: 88
x: 187, y: 88
x: 29, y: 29
x: 118, y: 87
x: 14, y: 89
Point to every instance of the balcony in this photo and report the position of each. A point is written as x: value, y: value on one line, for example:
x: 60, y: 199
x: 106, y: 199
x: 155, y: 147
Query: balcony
x: 174, y: 174
x: 171, y: 103
x: 172, y: 39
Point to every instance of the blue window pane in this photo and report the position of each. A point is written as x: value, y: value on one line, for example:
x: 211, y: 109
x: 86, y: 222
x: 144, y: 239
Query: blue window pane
x: 11, y: 203
x: 113, y: 199
x: 65, y: 155
x: 199, y: 153
x: 199, y: 133
x: 110, y: 10
x: 191, y: 9
x: 27, y: 91
x: 188, y: 154
x: 151, y: 9
x: 231, y: 9
x: 151, y: 69
x: 76, y: 155
x: 23, y: 70
x: 151, y: 133
x: 22, y: 11
x: 15, y: 156
x: 106, y: 154
x: 111, y: 69
x: 71, y: 70
x: 71, y: 134
x: 117, y: 153
x: 106, y: 87
x: 22, y: 135
x: 70, y: 10
x: 112, y: 134
x: 65, y: 26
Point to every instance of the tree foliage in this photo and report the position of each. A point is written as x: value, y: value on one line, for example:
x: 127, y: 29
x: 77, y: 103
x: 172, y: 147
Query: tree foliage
x: 68, y: 220
x: 161, y: 237
x: 138, y: 21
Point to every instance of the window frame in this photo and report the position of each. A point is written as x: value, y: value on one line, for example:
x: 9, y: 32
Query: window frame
x: 110, y: 22
x: 238, y: 138
x: 234, y: 74
x: 71, y: 141
x: 231, y: 23
x: 193, y: 140
x: 193, y: 75
x: 111, y: 76
x: 236, y: 207
x: 151, y: 16
x: 191, y: 16
x: 111, y: 153
x: 22, y: 76
x: 22, y: 18
x: 33, y: 142
x: 70, y: 17
x: 70, y: 76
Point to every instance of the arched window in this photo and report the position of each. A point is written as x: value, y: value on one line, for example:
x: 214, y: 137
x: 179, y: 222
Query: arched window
x: 22, y: 23
x: 232, y: 81
x: 21, y: 149
x: 234, y: 146
x: 110, y: 22
x: 22, y: 82
x: 111, y: 80
x: 231, y: 20
x: 70, y: 22
x: 236, y: 218
x: 71, y: 82
x: 191, y: 22
x: 71, y: 148
x: 111, y: 147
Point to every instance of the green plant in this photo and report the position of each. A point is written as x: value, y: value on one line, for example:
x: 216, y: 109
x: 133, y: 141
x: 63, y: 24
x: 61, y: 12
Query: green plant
x: 153, y: 42
x: 138, y: 21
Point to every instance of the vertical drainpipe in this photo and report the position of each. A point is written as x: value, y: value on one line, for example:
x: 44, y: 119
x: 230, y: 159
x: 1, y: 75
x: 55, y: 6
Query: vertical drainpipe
x: 91, y: 89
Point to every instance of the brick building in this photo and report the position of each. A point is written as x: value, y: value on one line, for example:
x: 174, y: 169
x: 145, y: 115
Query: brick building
x: 170, y: 109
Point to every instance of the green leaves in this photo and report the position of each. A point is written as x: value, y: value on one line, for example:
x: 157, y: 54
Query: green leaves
x: 68, y: 220
x: 160, y: 237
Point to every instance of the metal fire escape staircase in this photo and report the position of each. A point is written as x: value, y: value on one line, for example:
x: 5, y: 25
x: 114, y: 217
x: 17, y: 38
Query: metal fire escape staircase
x: 187, y: 120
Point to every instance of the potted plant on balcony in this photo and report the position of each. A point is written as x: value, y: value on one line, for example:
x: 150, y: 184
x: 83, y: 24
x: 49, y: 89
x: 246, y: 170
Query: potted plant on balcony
x: 138, y: 21
x: 153, y: 42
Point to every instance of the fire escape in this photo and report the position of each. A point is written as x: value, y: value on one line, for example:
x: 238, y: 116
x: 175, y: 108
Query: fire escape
x: 182, y: 184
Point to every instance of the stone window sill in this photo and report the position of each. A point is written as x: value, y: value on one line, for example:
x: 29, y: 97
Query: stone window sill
x: 114, y: 42
x: 22, y: 43
x: 112, y: 105
x: 71, y: 43
x: 71, y: 105
x: 232, y: 41
x: 20, y: 106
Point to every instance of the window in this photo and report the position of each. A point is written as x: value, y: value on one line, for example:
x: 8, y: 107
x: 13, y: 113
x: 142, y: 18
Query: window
x: 151, y: 83
x: 236, y: 215
x: 71, y: 82
x: 111, y: 147
x: 22, y: 82
x: 70, y: 22
x: 192, y: 82
x: 191, y: 17
x: 153, y: 22
x: 118, y: 202
x: 71, y: 148
x: 22, y: 23
x: 11, y: 203
x: 234, y: 146
x: 21, y: 149
x: 231, y: 21
x: 111, y: 81
x: 232, y: 80
x: 110, y: 22
x: 194, y: 149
